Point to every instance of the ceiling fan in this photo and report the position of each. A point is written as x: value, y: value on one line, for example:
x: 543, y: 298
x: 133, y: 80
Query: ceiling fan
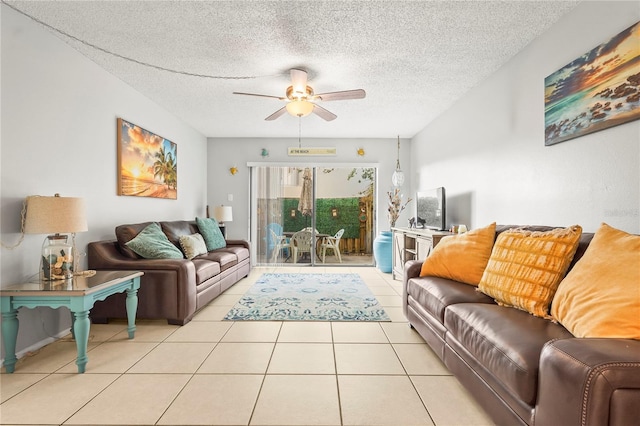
x: 301, y: 98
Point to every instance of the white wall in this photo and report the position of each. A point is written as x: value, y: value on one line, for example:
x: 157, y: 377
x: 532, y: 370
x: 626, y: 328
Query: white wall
x: 488, y: 149
x: 59, y: 113
x: 225, y: 152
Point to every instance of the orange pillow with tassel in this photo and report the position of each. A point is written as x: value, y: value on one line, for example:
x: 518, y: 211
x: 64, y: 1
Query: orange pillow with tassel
x: 526, y: 267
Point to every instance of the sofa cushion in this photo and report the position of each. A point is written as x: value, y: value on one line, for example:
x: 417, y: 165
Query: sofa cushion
x: 205, y: 269
x: 192, y: 245
x: 526, y: 267
x: 211, y: 232
x: 242, y: 253
x: 224, y: 258
x: 126, y: 233
x: 505, y: 341
x: 152, y: 243
x: 600, y: 297
x: 434, y: 294
x: 461, y: 257
x: 177, y: 228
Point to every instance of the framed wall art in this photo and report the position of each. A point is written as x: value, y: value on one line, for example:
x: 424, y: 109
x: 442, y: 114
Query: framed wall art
x: 598, y: 90
x: 147, y: 163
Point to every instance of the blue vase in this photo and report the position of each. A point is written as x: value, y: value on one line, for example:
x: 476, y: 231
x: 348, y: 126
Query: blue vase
x: 382, y: 251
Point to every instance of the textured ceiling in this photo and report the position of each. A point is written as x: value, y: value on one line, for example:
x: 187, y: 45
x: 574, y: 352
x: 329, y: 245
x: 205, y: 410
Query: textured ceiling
x: 414, y: 59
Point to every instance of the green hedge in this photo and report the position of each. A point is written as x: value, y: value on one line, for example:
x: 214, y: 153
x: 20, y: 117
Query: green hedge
x: 348, y: 212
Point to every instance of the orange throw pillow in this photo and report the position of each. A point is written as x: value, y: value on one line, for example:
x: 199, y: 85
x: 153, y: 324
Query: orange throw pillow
x: 600, y: 297
x: 526, y: 267
x: 461, y: 257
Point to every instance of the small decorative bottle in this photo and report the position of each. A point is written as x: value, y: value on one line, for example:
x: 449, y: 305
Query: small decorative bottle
x: 57, y: 258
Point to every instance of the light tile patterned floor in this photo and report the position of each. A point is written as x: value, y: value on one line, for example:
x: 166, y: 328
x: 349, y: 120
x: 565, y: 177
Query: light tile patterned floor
x: 214, y: 372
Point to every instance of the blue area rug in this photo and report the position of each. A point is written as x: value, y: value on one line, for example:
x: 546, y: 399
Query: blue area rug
x: 308, y: 297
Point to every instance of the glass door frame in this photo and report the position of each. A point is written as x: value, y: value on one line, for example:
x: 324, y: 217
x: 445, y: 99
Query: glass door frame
x: 253, y: 207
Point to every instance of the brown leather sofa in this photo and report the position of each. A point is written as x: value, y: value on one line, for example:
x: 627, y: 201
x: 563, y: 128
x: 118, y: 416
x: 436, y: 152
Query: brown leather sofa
x: 522, y: 369
x: 173, y: 289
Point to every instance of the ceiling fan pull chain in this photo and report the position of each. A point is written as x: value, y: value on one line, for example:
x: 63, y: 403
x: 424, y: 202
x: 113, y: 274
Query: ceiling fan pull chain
x: 299, y: 131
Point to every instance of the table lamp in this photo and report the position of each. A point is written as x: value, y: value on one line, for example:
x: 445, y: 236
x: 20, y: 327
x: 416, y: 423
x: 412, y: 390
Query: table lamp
x: 223, y: 214
x: 56, y: 216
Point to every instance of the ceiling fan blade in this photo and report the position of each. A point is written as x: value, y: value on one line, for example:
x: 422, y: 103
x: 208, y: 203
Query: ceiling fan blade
x: 262, y: 96
x: 342, y: 95
x: 277, y: 114
x: 299, y: 81
x: 323, y: 113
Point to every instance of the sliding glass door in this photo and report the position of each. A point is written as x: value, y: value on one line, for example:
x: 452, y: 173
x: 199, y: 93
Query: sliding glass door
x: 312, y: 215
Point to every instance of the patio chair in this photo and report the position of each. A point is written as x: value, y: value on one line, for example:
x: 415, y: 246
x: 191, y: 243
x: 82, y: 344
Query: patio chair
x: 268, y: 238
x: 280, y: 243
x: 332, y: 243
x: 301, y: 243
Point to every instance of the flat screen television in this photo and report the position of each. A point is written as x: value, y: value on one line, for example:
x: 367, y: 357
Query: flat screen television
x: 430, y: 209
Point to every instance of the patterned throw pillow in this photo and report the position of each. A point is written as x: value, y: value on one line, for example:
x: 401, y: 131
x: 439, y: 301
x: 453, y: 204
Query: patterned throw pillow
x: 152, y: 243
x: 525, y: 267
x: 600, y: 297
x: 461, y: 257
x: 192, y: 245
x: 211, y: 232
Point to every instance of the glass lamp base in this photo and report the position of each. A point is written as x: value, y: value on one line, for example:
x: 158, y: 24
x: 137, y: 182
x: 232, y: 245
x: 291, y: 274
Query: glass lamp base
x: 56, y: 259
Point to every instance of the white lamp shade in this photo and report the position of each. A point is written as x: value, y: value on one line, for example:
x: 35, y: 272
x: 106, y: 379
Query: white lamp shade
x: 48, y: 215
x: 299, y: 108
x: 223, y: 213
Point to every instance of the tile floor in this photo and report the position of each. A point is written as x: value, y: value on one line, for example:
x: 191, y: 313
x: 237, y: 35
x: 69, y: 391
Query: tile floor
x: 214, y: 372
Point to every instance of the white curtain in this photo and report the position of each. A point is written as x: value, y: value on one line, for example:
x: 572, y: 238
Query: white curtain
x: 267, y: 192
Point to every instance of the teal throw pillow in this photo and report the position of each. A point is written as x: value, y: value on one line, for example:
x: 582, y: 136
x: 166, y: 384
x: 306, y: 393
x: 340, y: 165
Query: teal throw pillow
x: 211, y: 232
x: 192, y: 245
x: 152, y: 243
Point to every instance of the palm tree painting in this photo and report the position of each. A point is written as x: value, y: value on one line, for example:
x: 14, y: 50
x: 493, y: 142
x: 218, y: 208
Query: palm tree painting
x: 147, y: 163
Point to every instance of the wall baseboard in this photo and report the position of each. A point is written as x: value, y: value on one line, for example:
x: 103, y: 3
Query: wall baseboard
x: 38, y: 345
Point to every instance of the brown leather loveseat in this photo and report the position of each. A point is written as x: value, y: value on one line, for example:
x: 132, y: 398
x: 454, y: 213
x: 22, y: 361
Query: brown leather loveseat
x: 522, y: 369
x: 173, y: 289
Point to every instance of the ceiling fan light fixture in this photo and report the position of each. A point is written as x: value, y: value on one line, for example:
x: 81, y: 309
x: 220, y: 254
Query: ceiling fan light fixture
x: 299, y: 108
x: 302, y: 98
x: 299, y: 93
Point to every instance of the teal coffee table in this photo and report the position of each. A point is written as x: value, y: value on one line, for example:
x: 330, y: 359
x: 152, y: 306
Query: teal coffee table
x: 78, y: 294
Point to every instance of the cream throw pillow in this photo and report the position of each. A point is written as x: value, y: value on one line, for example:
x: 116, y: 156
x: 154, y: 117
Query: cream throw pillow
x: 526, y: 267
x: 192, y: 245
x: 600, y: 297
x: 461, y: 257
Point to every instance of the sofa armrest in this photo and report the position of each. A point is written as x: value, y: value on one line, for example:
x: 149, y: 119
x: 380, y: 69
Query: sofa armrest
x: 171, y: 281
x: 589, y: 382
x: 242, y: 243
x: 411, y: 270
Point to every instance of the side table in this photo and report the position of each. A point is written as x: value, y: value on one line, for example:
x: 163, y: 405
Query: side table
x: 78, y: 294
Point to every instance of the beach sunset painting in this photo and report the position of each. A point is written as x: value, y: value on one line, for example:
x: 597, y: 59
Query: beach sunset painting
x: 147, y: 163
x: 598, y: 90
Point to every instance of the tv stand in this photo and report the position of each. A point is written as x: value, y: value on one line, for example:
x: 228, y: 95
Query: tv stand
x: 412, y: 244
